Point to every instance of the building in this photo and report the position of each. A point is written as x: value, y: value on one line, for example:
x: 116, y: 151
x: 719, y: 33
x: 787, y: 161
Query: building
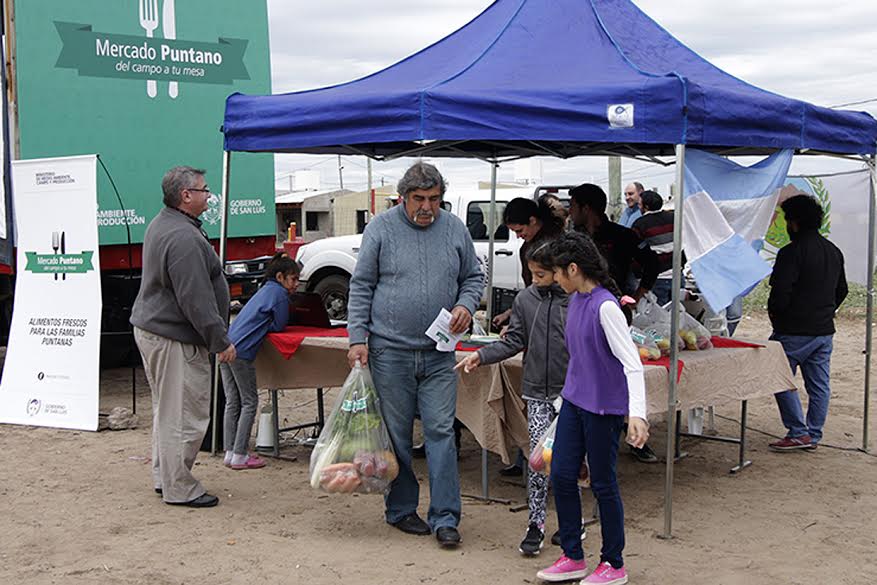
x: 312, y: 212
x: 351, y: 210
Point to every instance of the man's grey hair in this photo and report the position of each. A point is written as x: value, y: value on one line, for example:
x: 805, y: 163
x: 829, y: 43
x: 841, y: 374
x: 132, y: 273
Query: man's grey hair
x: 176, y: 180
x: 421, y: 176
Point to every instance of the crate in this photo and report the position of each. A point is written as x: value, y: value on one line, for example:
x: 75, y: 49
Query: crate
x: 502, y: 301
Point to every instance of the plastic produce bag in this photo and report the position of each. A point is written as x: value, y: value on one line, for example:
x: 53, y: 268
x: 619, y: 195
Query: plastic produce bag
x: 649, y: 313
x: 354, y: 452
x: 654, y: 320
x: 540, y: 457
x: 648, y: 349
x: 693, y: 333
x: 660, y: 334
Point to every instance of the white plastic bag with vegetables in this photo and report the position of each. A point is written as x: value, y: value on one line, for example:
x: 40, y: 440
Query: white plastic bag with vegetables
x: 660, y: 333
x: 645, y: 344
x: 540, y: 458
x: 354, y: 452
x: 693, y: 333
x: 654, y: 320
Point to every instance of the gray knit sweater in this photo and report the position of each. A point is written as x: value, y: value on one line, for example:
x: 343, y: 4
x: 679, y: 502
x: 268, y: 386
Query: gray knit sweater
x: 183, y: 293
x: 405, y: 274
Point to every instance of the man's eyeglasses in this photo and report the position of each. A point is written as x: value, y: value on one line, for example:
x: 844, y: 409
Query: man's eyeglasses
x: 201, y: 190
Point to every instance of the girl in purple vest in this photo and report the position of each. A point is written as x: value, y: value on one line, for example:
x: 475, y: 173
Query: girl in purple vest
x: 604, y: 383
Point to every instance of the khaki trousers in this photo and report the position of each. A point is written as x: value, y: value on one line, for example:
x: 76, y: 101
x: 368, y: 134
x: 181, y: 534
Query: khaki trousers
x: 179, y: 376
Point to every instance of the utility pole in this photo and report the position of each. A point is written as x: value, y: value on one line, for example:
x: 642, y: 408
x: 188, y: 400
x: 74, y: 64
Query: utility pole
x: 615, y: 204
x: 371, y: 191
x: 340, y: 174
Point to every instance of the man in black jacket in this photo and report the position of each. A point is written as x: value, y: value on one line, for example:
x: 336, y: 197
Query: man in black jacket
x: 619, y: 245
x: 807, y: 286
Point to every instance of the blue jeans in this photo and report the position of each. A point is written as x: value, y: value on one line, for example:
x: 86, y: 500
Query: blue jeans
x: 581, y: 433
x: 733, y: 314
x: 813, y: 354
x: 241, y: 403
x: 424, y: 381
x: 663, y: 290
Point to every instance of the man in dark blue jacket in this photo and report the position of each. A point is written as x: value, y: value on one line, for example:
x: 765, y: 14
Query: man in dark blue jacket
x: 807, y: 287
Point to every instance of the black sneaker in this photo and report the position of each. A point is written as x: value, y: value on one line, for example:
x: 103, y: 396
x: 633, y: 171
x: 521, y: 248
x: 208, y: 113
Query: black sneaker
x: 532, y: 543
x: 513, y: 470
x: 644, y: 454
x: 555, y: 538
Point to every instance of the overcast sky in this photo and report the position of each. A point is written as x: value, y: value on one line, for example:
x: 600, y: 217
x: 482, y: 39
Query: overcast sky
x: 818, y: 51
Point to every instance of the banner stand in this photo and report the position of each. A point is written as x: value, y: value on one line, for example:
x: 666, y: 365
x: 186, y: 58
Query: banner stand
x: 51, y: 376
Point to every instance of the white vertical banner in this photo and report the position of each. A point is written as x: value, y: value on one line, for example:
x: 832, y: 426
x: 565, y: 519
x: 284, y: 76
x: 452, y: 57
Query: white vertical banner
x: 51, y: 373
x: 3, y: 231
x: 844, y: 198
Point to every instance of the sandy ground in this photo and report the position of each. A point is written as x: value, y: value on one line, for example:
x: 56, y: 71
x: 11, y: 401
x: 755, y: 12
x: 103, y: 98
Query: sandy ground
x: 78, y: 507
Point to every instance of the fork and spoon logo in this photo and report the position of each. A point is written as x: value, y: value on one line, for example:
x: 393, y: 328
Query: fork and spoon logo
x: 149, y: 20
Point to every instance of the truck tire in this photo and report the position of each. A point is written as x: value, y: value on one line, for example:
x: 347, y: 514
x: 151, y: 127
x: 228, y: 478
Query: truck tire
x: 333, y: 289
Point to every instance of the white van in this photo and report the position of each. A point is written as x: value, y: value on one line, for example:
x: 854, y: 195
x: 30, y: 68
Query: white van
x: 329, y: 263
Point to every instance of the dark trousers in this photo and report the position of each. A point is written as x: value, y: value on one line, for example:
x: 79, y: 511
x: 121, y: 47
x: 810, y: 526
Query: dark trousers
x: 581, y: 433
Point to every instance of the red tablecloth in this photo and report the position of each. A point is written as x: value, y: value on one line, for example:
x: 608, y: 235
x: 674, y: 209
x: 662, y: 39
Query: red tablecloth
x: 665, y: 361
x: 736, y: 343
x: 289, y: 340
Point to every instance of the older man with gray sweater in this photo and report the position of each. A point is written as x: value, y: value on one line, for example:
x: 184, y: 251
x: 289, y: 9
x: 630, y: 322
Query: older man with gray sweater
x: 415, y: 260
x: 180, y: 317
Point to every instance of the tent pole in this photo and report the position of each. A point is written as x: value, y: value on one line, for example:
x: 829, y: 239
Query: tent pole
x: 491, y: 228
x: 674, y: 335
x: 869, y: 319
x: 223, y: 237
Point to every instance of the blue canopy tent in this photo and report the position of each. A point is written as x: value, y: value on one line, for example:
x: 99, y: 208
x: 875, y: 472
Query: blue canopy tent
x: 560, y: 78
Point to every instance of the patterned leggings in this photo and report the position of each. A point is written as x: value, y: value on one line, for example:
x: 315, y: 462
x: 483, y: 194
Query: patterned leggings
x: 539, y: 417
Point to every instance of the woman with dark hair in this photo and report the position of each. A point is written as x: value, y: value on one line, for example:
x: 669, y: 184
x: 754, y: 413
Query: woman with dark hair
x: 534, y: 223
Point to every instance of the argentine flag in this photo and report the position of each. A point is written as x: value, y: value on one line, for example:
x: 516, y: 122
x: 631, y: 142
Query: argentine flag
x: 728, y: 209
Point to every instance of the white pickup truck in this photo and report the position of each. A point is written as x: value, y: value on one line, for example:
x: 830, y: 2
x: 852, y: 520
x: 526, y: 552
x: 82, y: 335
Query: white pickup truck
x: 328, y: 263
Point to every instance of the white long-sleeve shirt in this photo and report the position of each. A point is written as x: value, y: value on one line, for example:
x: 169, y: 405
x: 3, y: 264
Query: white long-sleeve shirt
x: 618, y: 335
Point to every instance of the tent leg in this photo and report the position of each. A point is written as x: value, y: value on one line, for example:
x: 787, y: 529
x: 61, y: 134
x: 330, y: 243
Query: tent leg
x: 223, y: 237
x: 491, y: 227
x: 674, y: 349
x: 869, y: 319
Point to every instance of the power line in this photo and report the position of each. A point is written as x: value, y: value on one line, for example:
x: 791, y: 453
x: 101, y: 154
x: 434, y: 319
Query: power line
x: 859, y: 103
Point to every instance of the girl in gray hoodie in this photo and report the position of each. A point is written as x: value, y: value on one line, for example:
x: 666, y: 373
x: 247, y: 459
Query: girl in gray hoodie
x: 537, y: 327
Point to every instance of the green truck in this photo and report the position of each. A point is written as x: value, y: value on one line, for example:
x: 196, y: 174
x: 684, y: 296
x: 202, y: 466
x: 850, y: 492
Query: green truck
x: 142, y: 83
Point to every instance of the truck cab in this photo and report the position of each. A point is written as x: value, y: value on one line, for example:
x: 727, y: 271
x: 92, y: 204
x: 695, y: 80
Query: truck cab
x: 329, y: 263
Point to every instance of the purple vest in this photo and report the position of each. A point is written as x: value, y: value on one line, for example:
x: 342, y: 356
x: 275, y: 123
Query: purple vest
x: 595, y: 379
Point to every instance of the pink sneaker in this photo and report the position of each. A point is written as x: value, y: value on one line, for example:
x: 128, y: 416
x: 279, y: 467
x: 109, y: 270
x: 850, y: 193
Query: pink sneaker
x: 564, y: 569
x: 607, y: 575
x: 252, y: 462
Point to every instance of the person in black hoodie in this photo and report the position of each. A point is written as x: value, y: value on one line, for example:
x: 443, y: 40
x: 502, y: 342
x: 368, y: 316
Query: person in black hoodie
x: 807, y: 287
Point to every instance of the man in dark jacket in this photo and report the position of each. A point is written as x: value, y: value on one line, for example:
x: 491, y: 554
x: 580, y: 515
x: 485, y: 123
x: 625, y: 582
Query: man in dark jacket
x: 180, y: 317
x: 619, y: 245
x: 807, y: 287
